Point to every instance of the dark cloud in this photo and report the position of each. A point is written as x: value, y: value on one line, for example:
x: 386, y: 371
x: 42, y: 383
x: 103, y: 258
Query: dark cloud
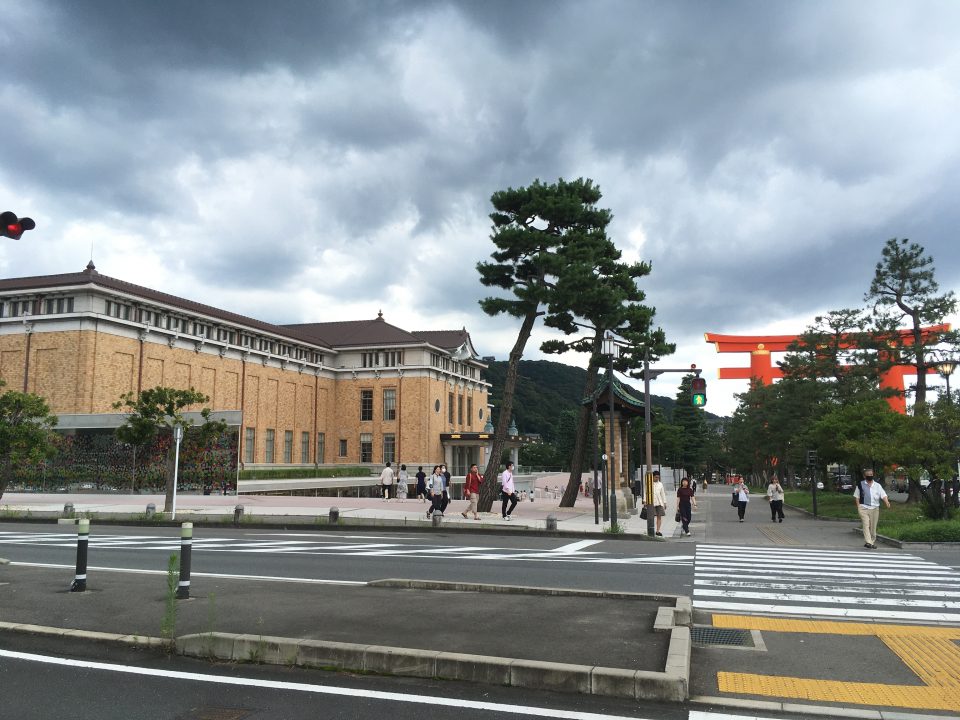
x: 759, y: 154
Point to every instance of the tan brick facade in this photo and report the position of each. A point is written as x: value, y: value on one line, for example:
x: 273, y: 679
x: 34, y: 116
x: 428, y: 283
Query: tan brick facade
x: 85, y: 363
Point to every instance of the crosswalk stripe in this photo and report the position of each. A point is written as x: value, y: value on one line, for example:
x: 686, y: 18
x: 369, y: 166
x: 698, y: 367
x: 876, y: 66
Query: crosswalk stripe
x: 825, y: 583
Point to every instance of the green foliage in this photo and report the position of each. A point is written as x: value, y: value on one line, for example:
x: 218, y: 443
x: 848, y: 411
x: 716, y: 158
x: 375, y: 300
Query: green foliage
x: 931, y: 531
x: 545, y: 390
x: 26, y: 431
x: 161, y: 409
x: 168, y: 624
x: 904, y: 291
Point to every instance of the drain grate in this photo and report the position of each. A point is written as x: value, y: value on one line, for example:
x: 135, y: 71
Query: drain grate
x: 702, y: 635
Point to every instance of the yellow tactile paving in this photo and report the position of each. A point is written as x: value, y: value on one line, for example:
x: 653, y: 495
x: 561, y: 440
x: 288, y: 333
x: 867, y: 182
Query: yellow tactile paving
x: 932, y: 653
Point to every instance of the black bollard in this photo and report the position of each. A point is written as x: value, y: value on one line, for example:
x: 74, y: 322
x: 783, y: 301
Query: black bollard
x: 186, y: 545
x: 334, y: 515
x: 83, y: 538
x: 237, y: 514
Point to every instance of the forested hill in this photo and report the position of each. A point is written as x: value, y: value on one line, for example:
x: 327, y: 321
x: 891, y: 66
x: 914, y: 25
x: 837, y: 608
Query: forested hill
x: 545, y: 390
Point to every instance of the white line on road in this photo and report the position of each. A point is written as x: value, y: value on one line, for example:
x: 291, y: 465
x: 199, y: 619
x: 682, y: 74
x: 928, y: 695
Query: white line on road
x: 574, y: 547
x: 319, y: 689
x: 870, y: 615
x: 270, y: 578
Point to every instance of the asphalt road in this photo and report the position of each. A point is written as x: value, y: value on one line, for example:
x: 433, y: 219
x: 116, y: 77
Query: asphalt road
x: 620, y: 565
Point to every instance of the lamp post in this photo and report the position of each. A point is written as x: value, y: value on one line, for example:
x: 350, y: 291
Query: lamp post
x: 648, y: 446
x: 177, y: 437
x: 609, y: 348
x: 596, y: 464
x: 945, y: 369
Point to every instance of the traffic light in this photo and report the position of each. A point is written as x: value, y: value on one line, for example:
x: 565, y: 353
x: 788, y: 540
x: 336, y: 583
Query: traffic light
x: 698, y: 390
x: 13, y: 227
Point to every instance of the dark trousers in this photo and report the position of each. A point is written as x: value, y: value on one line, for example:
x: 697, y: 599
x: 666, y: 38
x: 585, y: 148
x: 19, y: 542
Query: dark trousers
x: 440, y: 501
x: 512, y: 499
x: 686, y: 513
x: 741, y: 508
x: 776, y: 509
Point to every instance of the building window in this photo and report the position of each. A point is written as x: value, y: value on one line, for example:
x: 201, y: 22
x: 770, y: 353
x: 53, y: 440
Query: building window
x: 366, y: 405
x: 320, y: 444
x: 450, y: 408
x: 343, y: 448
x: 249, y: 444
x: 305, y: 447
x: 268, y: 449
x: 390, y: 404
x: 288, y: 446
x: 366, y: 447
x: 470, y: 412
x: 459, y: 409
x: 370, y: 359
x: 389, y: 448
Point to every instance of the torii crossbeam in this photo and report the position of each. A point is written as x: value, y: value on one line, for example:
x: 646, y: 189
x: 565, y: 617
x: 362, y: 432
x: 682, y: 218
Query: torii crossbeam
x: 763, y: 369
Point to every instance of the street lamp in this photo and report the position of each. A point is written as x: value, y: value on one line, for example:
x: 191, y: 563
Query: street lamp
x: 177, y: 437
x: 608, y: 347
x: 945, y: 369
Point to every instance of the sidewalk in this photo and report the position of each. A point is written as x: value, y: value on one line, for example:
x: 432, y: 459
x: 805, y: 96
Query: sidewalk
x: 274, y: 509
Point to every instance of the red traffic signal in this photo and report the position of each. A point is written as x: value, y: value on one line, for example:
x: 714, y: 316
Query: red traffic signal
x: 13, y: 227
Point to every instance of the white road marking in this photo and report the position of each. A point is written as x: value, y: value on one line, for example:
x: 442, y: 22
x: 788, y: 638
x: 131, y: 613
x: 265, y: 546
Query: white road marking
x: 364, y: 693
x: 225, y: 576
x: 574, y: 547
x: 833, y: 599
x: 815, y: 610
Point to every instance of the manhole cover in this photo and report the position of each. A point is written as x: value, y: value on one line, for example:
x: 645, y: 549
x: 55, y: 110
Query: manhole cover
x: 730, y: 637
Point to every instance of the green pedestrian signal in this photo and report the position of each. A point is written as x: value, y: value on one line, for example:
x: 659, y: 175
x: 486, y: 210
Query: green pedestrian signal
x: 698, y: 389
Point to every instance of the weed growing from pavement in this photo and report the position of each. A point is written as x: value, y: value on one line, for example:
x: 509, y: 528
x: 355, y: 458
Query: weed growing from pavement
x: 259, y: 652
x: 614, y: 529
x: 211, y: 625
x: 168, y: 624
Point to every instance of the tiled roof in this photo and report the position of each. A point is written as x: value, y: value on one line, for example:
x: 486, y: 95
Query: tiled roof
x: 446, y: 339
x: 90, y: 276
x: 351, y: 333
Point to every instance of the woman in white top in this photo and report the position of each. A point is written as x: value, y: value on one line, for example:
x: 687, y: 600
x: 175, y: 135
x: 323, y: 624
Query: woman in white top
x: 775, y: 496
x: 743, y: 497
x: 509, y: 493
x: 659, y: 501
x: 402, y: 480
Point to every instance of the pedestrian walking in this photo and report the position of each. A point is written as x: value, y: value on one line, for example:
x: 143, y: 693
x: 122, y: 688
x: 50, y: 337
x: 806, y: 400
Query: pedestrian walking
x: 741, y: 494
x: 775, y: 496
x: 471, y: 488
x: 867, y: 497
x: 386, y: 481
x: 508, y: 493
x: 402, y: 480
x: 686, y: 501
x: 421, y: 484
x: 659, y: 501
x: 438, y: 492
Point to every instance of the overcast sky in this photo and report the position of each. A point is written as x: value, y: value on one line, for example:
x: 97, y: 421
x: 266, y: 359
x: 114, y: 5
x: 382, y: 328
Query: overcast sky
x: 312, y: 161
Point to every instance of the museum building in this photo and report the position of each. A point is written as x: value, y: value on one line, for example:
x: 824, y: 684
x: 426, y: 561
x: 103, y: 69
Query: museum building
x: 348, y: 392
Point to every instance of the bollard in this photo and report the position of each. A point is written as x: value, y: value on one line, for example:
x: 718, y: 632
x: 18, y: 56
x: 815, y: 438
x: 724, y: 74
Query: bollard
x: 151, y: 510
x: 83, y: 538
x: 334, y: 515
x: 551, y: 523
x: 237, y: 514
x: 186, y: 545
x: 436, y: 519
x: 68, y: 510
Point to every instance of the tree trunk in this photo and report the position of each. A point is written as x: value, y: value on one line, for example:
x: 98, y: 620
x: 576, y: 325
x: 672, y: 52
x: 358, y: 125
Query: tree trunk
x: 572, y: 492
x: 488, y: 488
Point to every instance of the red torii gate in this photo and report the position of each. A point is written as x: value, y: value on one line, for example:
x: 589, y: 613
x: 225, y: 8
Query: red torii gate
x: 761, y: 367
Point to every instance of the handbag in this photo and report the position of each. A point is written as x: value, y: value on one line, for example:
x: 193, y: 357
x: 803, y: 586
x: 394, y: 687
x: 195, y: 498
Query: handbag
x: 643, y: 513
x: 676, y: 518
x: 734, y: 500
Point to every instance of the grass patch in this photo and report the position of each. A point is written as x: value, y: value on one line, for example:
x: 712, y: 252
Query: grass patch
x: 902, y: 521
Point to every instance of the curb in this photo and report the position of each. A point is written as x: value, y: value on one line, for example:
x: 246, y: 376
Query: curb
x: 321, y: 523
x: 673, y: 684
x: 819, y: 710
x: 680, y: 601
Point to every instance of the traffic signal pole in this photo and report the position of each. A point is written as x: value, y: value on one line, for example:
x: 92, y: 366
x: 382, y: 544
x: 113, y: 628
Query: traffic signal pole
x: 648, y: 375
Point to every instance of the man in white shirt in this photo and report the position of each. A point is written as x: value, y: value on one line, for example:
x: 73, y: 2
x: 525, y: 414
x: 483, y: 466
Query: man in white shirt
x: 867, y: 497
x: 386, y: 481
